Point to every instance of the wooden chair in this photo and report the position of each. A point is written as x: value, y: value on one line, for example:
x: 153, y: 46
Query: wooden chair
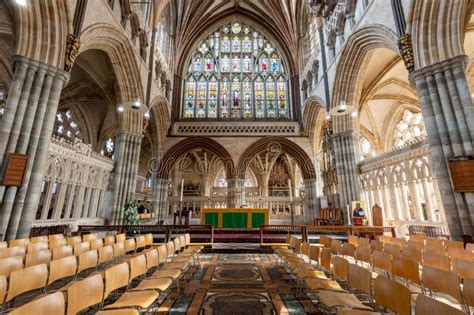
x: 36, y: 258
x: 62, y: 251
x: 152, y: 262
x: 364, y: 242
x: 348, y: 249
x: 305, y: 246
x: 406, y: 269
x: 97, y: 243
x: 3, y: 289
x: 381, y: 261
x: 140, y: 241
x: 363, y: 254
x: 120, y: 238
x: 45, y: 305
x: 442, y: 281
x: 149, y: 239
x: 59, y: 242
x: 470, y: 247
x: 458, y: 253
x: 138, y: 268
x: 398, y: 241
x: 20, y: 242
x: 360, y: 279
x: 36, y: 247
x: 464, y: 268
x: 3, y: 244
x: 349, y: 311
x: 392, y: 295
x: 315, y: 253
x: 297, y: 245
x: 10, y: 264
x: 393, y: 249
x: 437, y: 261
x: 428, y: 306
x: 340, y: 267
x: 122, y: 311
x: 435, y: 249
x: 454, y: 244
x: 413, y: 254
x: 80, y: 248
x: 416, y: 245
x: 27, y: 279
x: 88, y: 260
x: 89, y: 237
x: 468, y: 291
x: 326, y: 259
x: 39, y: 239
x: 109, y: 240
x: 73, y: 240
x: 376, y: 245
x: 353, y: 239
x: 119, y: 249
x: 417, y: 238
x: 384, y: 239
x: 336, y: 247
x: 325, y: 240
x: 52, y: 237
x: 106, y: 254
x: 85, y: 293
x: 62, y: 268
x: 130, y: 245
x: 13, y: 251
x: 434, y: 241
x: 117, y: 277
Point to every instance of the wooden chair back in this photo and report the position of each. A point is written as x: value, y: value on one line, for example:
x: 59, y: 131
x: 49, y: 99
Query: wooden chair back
x: 57, y: 242
x: 170, y: 248
x: 39, y: 239
x: 468, y: 291
x: 460, y: 253
x: 288, y: 239
x: 74, y: 240
x: 84, y: 293
x: 352, y: 239
x: 116, y: 277
x: 97, y: 243
x: 106, y: 254
x: 416, y: 245
x: 3, y: 288
x: 130, y: 245
x: 162, y: 253
x: 381, y: 260
x: 442, y: 281
x: 376, y: 245
x: 326, y: 259
x: 406, y: 269
x: 340, y: 267
x: 27, y: 279
x: 119, y: 249
x: 152, y: 259
x: 305, y: 248
x: 45, y: 305
x: 398, y: 241
x: 363, y: 254
x: 89, y: 237
x: 454, y: 244
x: 348, y: 249
x: 137, y: 267
x: 413, y: 254
x: 314, y: 253
x: 464, y: 268
x: 437, y: 261
x: 435, y: 249
x: 80, y: 248
x: 417, y: 238
x: 20, y: 242
x: 384, y: 238
x: 392, y: 295
x: 364, y: 242
x: 120, y: 238
x: 62, y: 268
x: 434, y: 241
x: 177, y: 245
x: 62, y: 251
x: 10, y: 264
x: 88, y: 260
x: 149, y: 239
x: 109, y: 240
x: 36, y: 247
x: 297, y: 247
x: 13, y: 251
x: 55, y: 237
x: 325, y: 240
x: 426, y: 305
x: 3, y: 244
x: 336, y: 247
x: 36, y: 258
x: 393, y: 249
x: 470, y: 247
x: 360, y: 279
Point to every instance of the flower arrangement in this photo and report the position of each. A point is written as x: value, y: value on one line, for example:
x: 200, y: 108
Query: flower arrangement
x: 131, y: 213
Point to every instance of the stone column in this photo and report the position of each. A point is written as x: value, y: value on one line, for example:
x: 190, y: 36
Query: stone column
x: 404, y: 200
x: 26, y: 128
x: 160, y: 206
x: 312, y: 206
x: 429, y: 206
x: 386, y: 203
x: 448, y: 113
x: 347, y: 157
x: 128, y: 144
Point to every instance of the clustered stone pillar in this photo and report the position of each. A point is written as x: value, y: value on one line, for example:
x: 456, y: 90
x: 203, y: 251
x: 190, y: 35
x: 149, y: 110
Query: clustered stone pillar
x: 128, y: 143
x: 347, y: 156
x: 448, y: 113
x: 26, y: 128
x: 161, y: 205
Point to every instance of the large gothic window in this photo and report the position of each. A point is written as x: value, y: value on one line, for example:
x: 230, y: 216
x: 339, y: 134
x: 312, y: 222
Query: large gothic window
x: 66, y: 125
x: 236, y: 73
x: 410, y: 127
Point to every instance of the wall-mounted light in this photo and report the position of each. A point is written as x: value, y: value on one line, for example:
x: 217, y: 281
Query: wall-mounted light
x: 342, y: 107
x: 328, y: 117
x: 136, y: 104
x: 21, y: 2
x: 354, y: 114
x: 146, y: 115
x: 120, y: 109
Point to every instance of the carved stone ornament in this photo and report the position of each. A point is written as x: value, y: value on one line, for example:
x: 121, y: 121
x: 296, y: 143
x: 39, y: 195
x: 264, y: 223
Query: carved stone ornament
x: 406, y: 51
x: 72, y: 49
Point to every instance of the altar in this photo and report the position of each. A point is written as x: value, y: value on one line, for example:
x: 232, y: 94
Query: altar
x: 235, y: 218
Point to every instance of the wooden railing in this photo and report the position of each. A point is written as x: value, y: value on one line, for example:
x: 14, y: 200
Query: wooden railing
x: 199, y: 233
x: 280, y: 231
x: 49, y: 230
x: 429, y: 231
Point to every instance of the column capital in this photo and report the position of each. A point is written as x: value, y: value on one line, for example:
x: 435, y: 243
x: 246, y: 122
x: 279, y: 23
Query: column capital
x: 130, y: 117
x: 22, y: 61
x: 448, y: 64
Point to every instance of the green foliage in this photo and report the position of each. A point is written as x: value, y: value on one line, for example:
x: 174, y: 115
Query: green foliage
x: 131, y: 213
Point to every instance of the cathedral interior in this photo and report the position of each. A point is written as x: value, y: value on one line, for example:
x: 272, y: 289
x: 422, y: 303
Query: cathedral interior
x: 247, y: 152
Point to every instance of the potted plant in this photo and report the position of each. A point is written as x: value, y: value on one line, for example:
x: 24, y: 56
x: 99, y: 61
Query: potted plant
x: 130, y: 214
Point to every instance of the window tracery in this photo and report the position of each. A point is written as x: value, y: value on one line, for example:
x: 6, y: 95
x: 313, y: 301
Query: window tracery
x: 410, y: 127
x: 66, y: 126
x: 108, y: 149
x: 236, y: 73
x: 3, y: 99
x: 366, y: 148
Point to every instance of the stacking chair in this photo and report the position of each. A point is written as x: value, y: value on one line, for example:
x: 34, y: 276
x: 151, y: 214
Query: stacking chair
x: 109, y: 240
x: 45, y: 305
x: 360, y: 279
x: 350, y: 311
x: 119, y: 249
x: 392, y: 295
x: 468, y: 291
x: 464, y: 268
x: 62, y: 251
x: 460, y: 253
x: 413, y: 254
x: 89, y: 237
x: 84, y: 294
x: 442, y: 281
x: 148, y: 239
x: 26, y: 280
x: 36, y: 247
x: 363, y: 242
x: 384, y: 238
x: 470, y: 247
x: 39, y: 239
x: 454, y: 244
x: 435, y: 249
x: 80, y: 248
x: 305, y: 246
x: 326, y: 259
x: 320, y: 284
x: 3, y: 245
x: 106, y: 254
x: 73, y: 240
x: 340, y: 268
x: 428, y: 306
x: 10, y: 264
x: 61, y: 269
x: 434, y: 241
x: 140, y: 242
x: 57, y: 242
x: 437, y: 261
x: 36, y: 258
x: 130, y: 245
x: 163, y: 257
x: 407, y: 270
x: 415, y: 244
x: 3, y: 289
x: 376, y: 245
x: 417, y: 238
x: 336, y: 247
x: 341, y: 299
x: 187, y: 237
x: 138, y: 269
x: 325, y: 240
x: 97, y: 243
x: 121, y: 311
x: 13, y: 251
x: 363, y: 254
x: 348, y: 249
x: 393, y: 249
x: 20, y: 242
x: 88, y: 260
x: 120, y: 238
x: 352, y: 239
x: 55, y: 237
x: 152, y: 263
x: 398, y: 241
x: 314, y: 254
x: 381, y: 261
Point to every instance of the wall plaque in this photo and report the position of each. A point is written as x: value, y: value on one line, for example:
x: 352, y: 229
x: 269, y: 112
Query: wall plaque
x: 461, y: 169
x: 16, y: 169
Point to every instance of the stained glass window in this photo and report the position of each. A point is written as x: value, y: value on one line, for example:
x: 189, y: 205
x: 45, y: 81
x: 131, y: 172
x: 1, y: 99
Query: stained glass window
x: 409, y: 128
x: 236, y: 73
x: 108, y: 148
x: 66, y: 126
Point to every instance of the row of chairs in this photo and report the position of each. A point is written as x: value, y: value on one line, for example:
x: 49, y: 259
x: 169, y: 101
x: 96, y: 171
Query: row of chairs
x: 67, y: 267
x: 411, y: 271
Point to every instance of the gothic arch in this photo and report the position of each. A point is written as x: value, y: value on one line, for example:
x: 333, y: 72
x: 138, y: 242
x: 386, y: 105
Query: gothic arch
x: 314, y: 113
x: 277, y: 144
x: 160, y: 111
x: 173, y: 154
